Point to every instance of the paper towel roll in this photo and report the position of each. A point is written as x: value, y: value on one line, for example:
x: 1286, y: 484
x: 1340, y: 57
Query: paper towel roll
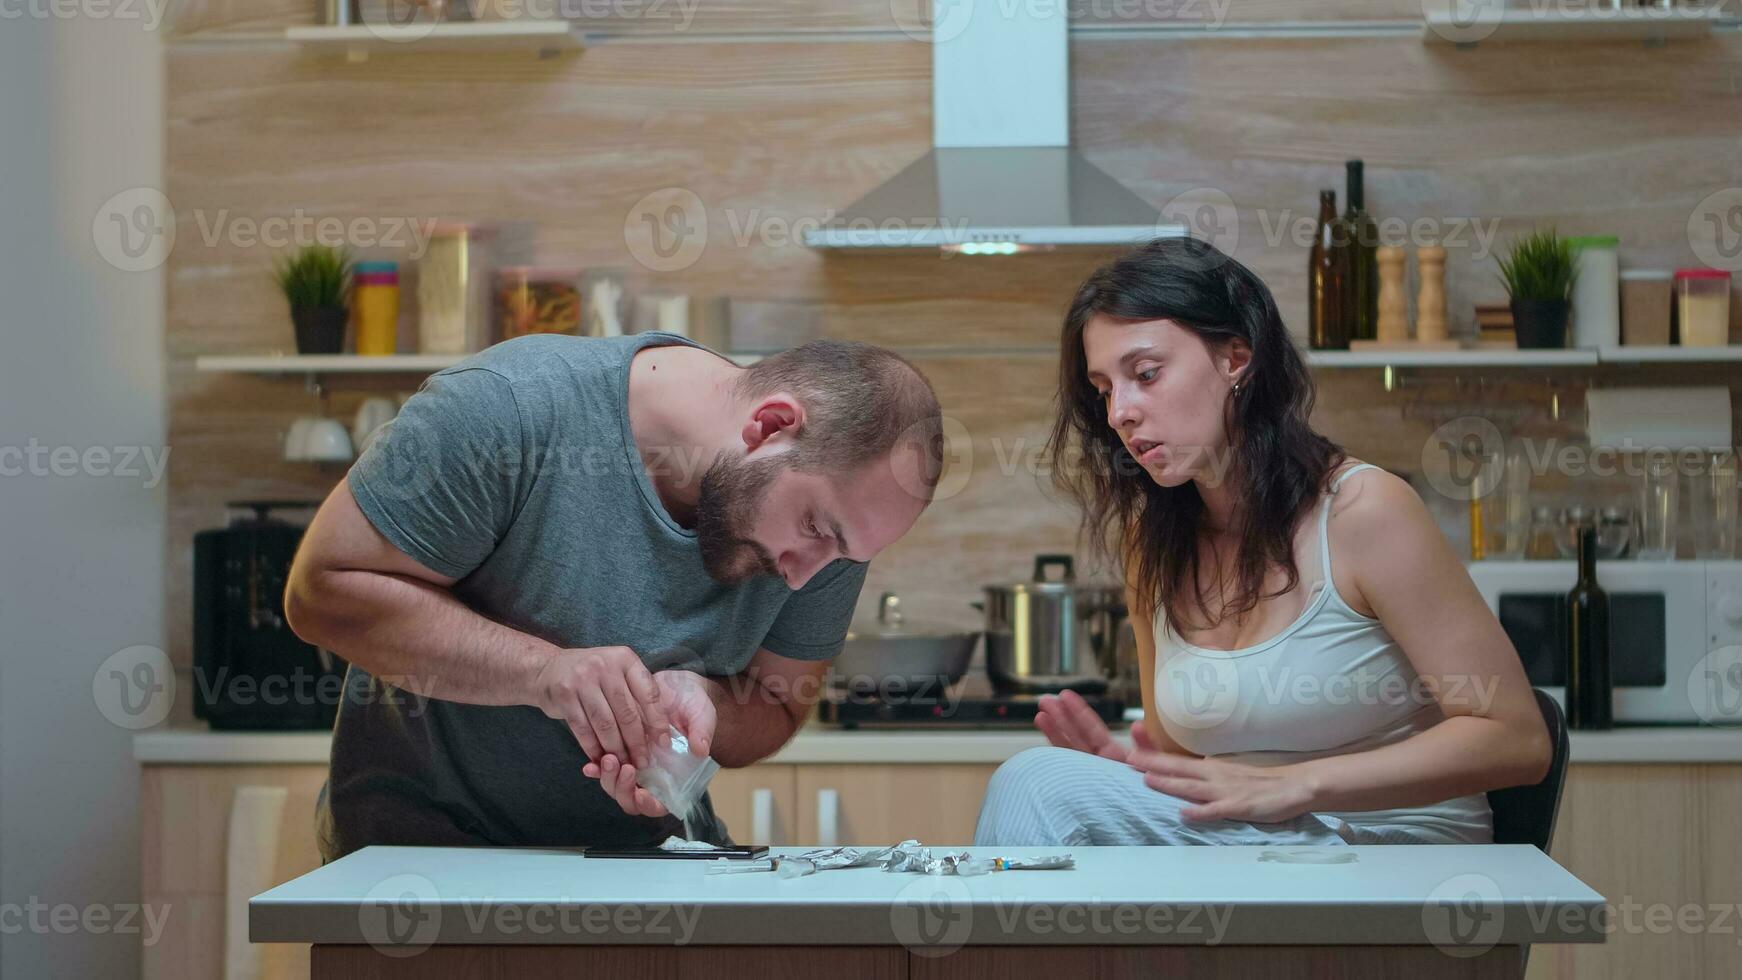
x: 1659, y: 418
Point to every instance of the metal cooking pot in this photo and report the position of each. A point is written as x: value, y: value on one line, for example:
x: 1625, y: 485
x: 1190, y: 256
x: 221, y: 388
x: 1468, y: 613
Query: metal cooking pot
x: 893, y: 656
x: 1052, y: 634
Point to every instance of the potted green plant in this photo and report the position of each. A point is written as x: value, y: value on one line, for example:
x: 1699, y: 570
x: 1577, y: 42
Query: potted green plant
x: 1539, y: 272
x: 315, y: 281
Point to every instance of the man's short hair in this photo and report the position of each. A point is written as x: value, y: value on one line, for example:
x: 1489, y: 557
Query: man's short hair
x: 862, y: 403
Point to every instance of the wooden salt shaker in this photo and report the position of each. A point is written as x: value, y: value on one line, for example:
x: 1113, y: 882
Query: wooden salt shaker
x: 1430, y: 302
x: 1393, y: 327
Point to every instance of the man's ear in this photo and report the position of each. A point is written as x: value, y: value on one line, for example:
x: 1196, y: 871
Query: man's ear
x: 777, y: 413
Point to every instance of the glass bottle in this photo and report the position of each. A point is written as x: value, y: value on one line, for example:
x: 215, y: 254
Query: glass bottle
x: 1589, y: 686
x: 1362, y: 235
x: 1327, y: 280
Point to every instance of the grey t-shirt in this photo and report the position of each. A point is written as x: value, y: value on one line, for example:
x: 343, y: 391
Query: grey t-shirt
x: 516, y: 472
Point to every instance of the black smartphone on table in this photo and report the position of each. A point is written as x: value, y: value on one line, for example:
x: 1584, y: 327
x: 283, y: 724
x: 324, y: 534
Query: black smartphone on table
x: 746, y: 853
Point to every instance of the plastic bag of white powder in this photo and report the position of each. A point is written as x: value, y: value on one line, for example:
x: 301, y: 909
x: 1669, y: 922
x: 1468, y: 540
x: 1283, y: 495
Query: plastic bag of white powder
x: 677, y: 778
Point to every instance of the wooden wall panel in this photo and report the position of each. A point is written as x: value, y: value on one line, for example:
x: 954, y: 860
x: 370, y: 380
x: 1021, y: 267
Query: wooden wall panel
x: 1596, y: 138
x: 189, y: 17
x: 1591, y: 138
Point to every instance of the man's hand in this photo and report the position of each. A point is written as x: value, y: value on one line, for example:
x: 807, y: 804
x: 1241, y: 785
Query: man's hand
x: 689, y: 703
x: 609, y: 700
x: 686, y: 698
x: 619, y: 781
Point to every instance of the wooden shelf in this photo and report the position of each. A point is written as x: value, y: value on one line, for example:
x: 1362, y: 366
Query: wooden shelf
x: 1496, y: 357
x: 327, y: 363
x: 1489, y: 23
x: 1502, y: 357
x: 311, y: 364
x: 357, y: 42
x: 1670, y: 355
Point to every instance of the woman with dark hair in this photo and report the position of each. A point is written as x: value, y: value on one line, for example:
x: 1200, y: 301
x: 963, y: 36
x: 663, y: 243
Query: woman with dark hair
x: 1317, y: 667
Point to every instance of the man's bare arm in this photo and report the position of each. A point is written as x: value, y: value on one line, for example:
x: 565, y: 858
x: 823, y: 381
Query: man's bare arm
x: 763, y: 707
x: 351, y: 591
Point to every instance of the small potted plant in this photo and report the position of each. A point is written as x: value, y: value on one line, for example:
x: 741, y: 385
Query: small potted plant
x: 315, y: 281
x: 1539, y: 274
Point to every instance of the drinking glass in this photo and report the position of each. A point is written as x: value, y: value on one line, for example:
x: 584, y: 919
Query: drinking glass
x: 1658, y: 503
x: 1507, y: 517
x: 1712, y: 506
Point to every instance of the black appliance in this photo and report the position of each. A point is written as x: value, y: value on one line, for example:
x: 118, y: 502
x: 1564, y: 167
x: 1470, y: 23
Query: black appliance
x: 250, y: 671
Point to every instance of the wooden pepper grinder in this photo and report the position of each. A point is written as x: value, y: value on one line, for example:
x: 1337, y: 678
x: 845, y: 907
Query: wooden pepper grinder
x: 1430, y: 302
x: 1393, y: 308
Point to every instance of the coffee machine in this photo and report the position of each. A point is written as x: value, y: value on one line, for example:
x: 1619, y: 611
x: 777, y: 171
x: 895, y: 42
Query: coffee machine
x: 250, y: 670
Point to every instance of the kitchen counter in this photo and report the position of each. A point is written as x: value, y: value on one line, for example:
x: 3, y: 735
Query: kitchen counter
x: 821, y: 745
x: 1453, y: 909
x: 1377, y: 898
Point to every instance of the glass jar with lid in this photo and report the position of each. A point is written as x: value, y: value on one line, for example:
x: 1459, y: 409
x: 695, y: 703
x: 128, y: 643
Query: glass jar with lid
x: 1702, y: 305
x: 1614, y: 532
x: 1544, y: 534
x: 453, y: 290
x: 1572, y: 518
x: 537, y: 299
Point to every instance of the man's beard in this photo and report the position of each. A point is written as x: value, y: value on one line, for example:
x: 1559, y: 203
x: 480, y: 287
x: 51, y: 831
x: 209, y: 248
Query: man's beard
x: 731, y: 494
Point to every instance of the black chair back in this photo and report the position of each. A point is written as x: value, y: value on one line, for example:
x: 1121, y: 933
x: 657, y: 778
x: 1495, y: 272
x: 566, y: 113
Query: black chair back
x: 1526, y: 814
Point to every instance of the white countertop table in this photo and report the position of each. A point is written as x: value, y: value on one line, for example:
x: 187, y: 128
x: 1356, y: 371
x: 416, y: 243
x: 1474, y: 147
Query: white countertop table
x: 1459, y: 908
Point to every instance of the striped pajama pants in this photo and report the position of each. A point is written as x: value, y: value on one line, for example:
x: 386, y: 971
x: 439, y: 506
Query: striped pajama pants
x: 1051, y: 796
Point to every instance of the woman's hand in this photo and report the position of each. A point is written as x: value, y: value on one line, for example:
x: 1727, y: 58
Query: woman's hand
x: 1226, y: 790
x: 1068, y: 722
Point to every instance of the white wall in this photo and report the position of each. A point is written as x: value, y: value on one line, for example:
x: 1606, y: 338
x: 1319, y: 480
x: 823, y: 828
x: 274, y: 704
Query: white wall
x: 81, y: 366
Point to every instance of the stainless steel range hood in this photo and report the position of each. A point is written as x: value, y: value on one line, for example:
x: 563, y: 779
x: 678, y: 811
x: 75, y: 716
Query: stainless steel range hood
x: 1002, y: 176
x: 993, y: 199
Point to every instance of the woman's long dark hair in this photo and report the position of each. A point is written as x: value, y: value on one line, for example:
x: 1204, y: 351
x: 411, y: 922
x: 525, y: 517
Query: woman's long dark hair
x: 1278, y: 466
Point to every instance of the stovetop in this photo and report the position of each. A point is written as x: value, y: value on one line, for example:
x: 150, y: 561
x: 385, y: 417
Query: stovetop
x: 969, y: 704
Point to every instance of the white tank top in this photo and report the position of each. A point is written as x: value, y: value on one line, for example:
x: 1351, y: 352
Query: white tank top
x: 1332, y: 681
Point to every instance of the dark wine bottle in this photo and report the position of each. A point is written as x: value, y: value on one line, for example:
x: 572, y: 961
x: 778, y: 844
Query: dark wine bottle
x: 1363, y: 237
x: 1589, y: 687
x: 1327, y: 280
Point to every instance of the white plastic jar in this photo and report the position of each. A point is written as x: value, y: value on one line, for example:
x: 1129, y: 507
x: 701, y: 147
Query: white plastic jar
x: 1597, y: 292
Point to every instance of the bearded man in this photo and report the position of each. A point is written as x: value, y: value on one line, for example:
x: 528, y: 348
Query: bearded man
x: 563, y: 547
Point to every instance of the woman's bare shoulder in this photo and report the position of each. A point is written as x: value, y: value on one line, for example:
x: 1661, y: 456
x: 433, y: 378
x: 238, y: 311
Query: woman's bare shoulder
x: 1374, y: 516
x: 1371, y: 495
x: 1364, y: 484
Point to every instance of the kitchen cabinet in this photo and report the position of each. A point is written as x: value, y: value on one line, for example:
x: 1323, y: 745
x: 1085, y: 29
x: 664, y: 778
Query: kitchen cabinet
x: 543, y: 38
x: 851, y: 804
x: 1659, y: 842
x: 186, y: 812
x: 884, y: 804
x: 758, y: 804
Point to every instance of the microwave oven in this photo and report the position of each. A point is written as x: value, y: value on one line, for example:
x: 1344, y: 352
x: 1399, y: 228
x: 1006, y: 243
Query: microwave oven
x: 1675, y: 632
